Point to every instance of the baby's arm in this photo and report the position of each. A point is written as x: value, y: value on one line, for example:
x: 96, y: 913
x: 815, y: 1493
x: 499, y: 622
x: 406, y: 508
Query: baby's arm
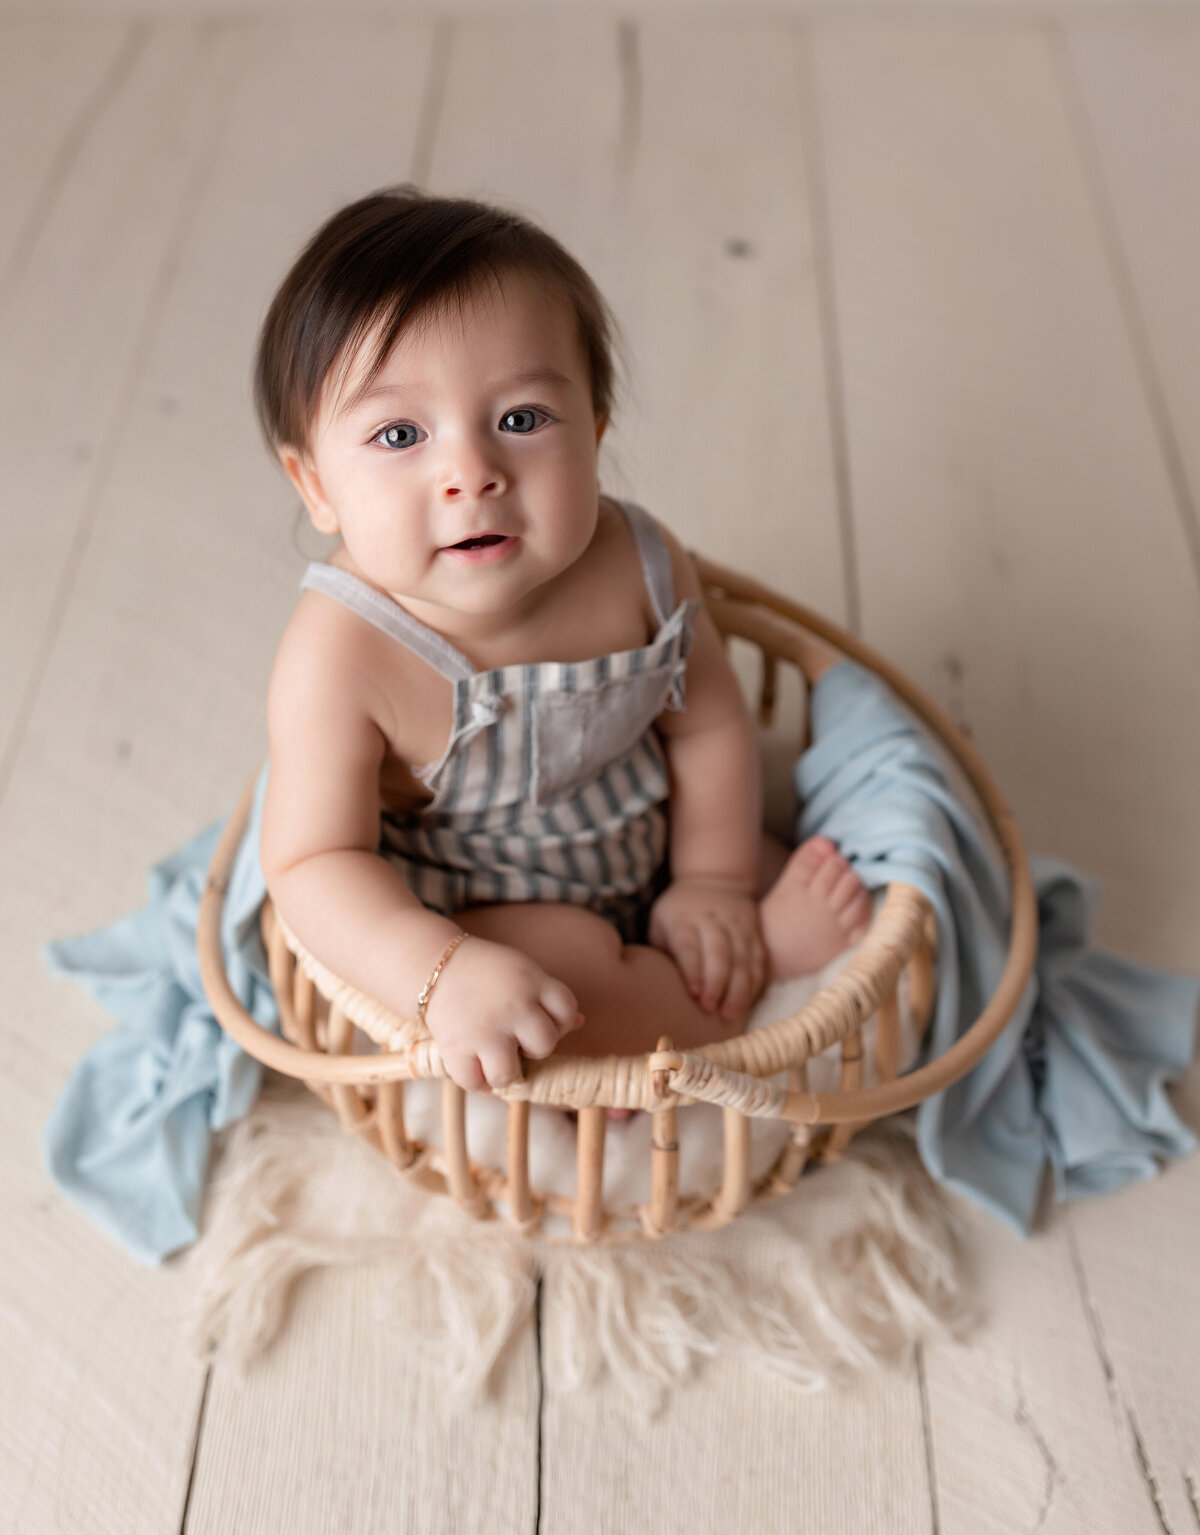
x: 707, y: 918
x: 320, y: 857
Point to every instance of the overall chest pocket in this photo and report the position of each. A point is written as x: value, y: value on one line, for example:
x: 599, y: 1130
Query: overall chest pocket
x: 577, y: 735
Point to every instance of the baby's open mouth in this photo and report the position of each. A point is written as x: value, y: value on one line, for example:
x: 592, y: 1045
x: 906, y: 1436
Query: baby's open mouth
x: 481, y: 542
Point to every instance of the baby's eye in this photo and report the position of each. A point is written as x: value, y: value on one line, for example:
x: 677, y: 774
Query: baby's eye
x: 402, y: 435
x: 522, y: 420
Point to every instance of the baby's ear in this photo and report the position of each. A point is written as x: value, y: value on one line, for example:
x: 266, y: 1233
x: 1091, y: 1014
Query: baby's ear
x: 300, y: 470
x: 601, y: 424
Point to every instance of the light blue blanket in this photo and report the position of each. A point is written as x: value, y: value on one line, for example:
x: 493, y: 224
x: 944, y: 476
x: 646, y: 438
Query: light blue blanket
x: 1076, y: 1082
x: 1077, y: 1079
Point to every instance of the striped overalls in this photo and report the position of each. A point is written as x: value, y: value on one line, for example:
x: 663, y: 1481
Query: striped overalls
x: 553, y: 784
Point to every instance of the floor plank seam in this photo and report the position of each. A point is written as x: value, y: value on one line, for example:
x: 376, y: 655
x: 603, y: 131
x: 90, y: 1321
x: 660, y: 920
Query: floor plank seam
x: 187, y: 1497
x: 1147, y: 1473
x: 1095, y: 1329
x: 813, y: 159
x: 429, y: 116
x: 935, y: 1519
x: 1136, y: 329
x: 96, y: 104
x: 1121, y: 1408
x: 629, y: 64
x: 1193, y: 1495
x: 1052, y: 1471
x: 541, y: 1399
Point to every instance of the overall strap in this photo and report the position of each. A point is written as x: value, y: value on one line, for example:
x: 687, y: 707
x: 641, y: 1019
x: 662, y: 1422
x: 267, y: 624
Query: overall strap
x: 389, y: 616
x: 655, y: 558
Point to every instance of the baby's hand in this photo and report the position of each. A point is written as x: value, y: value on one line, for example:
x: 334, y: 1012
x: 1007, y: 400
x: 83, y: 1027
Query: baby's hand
x: 712, y: 932
x: 490, y: 1003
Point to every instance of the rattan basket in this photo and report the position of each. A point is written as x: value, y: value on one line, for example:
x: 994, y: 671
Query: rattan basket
x: 327, y: 1024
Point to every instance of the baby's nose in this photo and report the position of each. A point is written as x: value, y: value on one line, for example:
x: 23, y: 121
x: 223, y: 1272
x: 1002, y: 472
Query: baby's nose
x: 471, y: 471
x: 483, y: 490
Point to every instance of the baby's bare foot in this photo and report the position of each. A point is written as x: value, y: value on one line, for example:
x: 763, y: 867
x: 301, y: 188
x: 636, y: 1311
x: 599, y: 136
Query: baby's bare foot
x: 815, y: 909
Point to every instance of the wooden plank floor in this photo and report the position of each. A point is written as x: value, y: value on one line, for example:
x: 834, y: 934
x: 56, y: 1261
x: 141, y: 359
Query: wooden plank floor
x: 914, y: 333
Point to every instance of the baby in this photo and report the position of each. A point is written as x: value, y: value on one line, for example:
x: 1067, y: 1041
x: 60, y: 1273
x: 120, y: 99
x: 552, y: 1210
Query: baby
x: 489, y: 804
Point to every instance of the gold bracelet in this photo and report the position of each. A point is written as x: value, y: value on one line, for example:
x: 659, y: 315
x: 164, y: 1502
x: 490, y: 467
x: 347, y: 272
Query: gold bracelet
x: 427, y: 989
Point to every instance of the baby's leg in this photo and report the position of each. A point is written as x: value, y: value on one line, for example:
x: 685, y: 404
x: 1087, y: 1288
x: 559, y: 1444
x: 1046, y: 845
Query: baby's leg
x: 812, y: 906
x: 629, y: 994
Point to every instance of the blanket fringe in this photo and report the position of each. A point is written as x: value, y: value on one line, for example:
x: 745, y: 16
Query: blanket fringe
x: 843, y: 1275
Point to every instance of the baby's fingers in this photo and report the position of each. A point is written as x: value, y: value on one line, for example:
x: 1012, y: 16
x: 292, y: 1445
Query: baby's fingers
x: 562, y: 1008
x: 682, y: 942
x: 717, y: 955
x: 746, y: 977
x: 464, y: 1069
x: 537, y: 1034
x: 500, y: 1061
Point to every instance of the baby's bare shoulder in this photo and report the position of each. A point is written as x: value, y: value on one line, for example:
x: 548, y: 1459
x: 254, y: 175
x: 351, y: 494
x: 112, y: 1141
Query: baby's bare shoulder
x: 327, y: 661
x: 338, y: 676
x: 332, y: 660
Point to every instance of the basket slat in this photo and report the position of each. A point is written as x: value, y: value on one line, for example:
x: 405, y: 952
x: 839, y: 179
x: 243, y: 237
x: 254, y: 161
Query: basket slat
x: 589, y: 1178
x: 454, y: 1144
x: 520, y: 1199
x: 796, y: 1153
x: 390, y: 1111
x: 922, y: 984
x: 664, y: 1167
x: 887, y: 1038
x: 735, y: 1183
x: 351, y: 1110
x: 281, y: 964
x: 304, y: 1001
x: 766, y: 696
x: 852, y: 1071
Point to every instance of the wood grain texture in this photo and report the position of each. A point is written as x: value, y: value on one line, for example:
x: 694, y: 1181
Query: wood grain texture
x: 1134, y: 87
x: 78, y: 319
x: 648, y: 149
x: 56, y: 77
x: 345, y: 1426
x: 727, y: 426
x: 99, y: 1401
x: 1136, y: 91
x: 1135, y: 1264
x: 1022, y: 553
x: 1021, y: 549
x: 1021, y: 1424
x: 921, y: 279
x: 150, y: 714
x: 733, y: 1450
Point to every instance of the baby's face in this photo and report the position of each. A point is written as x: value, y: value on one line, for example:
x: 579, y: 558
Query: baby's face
x: 465, y: 477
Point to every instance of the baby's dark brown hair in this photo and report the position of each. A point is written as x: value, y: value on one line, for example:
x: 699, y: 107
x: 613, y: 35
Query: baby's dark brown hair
x: 396, y: 257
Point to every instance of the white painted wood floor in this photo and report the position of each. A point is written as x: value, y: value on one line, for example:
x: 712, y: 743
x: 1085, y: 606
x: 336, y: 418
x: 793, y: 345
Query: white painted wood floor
x: 911, y: 298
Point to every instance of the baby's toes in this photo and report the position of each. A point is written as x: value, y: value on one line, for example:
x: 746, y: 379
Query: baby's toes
x: 855, y: 916
x: 848, y: 886
x: 811, y: 856
x: 830, y: 875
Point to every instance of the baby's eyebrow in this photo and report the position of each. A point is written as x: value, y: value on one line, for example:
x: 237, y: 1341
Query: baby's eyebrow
x: 533, y: 376
x: 527, y: 376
